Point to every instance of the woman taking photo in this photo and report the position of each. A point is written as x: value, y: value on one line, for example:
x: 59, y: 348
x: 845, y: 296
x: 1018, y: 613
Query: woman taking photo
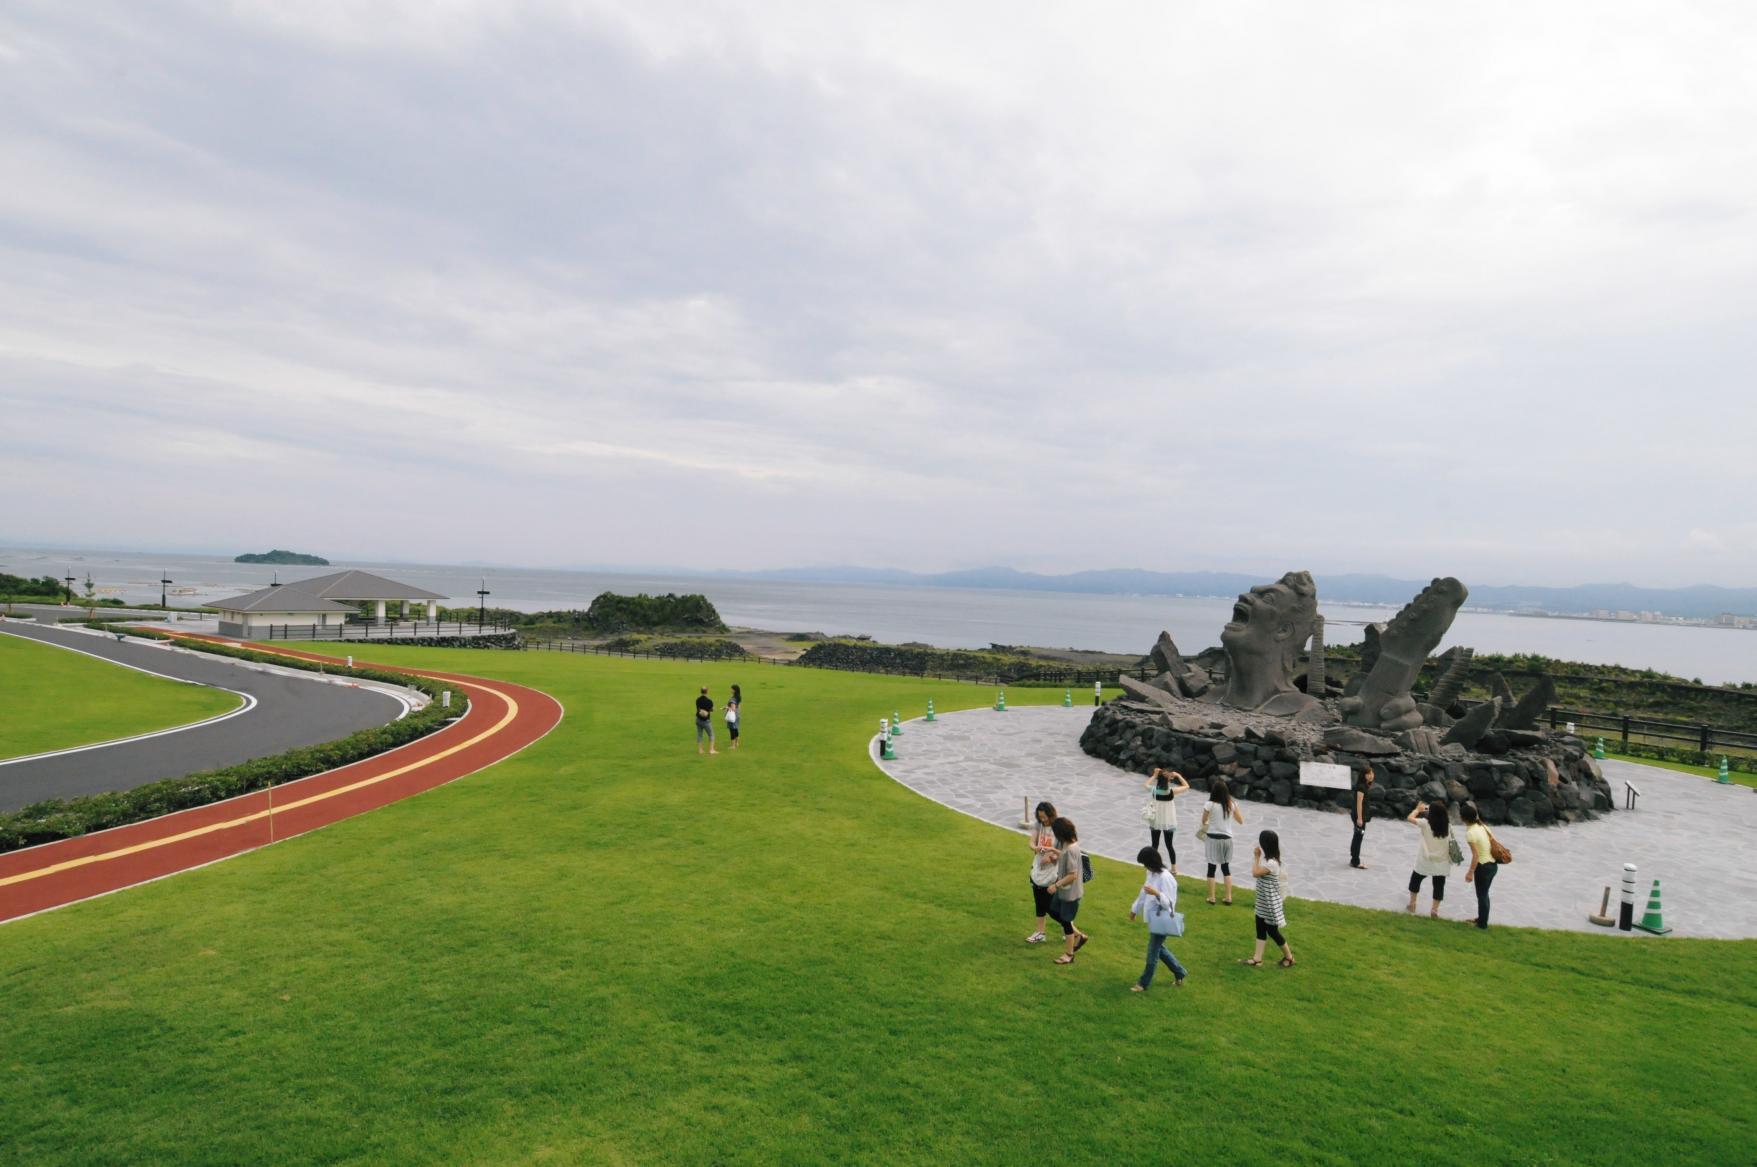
x: 1043, y: 857
x: 1482, y: 860
x: 1433, y: 859
x: 1218, y: 818
x: 1068, y: 887
x: 1165, y: 786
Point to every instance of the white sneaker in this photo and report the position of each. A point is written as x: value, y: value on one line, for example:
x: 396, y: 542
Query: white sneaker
x: 1036, y: 938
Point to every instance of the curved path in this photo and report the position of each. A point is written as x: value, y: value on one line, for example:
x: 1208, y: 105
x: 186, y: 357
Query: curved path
x: 1690, y: 833
x: 283, y: 712
x: 502, y: 719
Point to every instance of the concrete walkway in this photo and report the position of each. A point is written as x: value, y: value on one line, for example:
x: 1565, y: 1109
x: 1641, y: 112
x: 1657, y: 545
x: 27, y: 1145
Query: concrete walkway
x: 1690, y: 833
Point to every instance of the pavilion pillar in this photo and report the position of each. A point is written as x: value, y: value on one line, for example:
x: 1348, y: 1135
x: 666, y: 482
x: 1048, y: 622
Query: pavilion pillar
x: 379, y: 616
x: 432, y: 611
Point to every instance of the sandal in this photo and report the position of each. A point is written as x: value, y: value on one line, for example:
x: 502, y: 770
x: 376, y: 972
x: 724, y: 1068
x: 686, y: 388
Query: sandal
x: 1137, y: 989
x: 1065, y: 958
x: 1211, y: 902
x: 1253, y: 963
x: 1228, y: 903
x: 1036, y: 938
x: 1287, y: 962
x: 1081, y: 942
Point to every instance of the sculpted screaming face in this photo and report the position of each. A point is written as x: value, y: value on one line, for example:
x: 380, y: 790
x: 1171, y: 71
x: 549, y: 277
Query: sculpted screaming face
x: 1271, y: 624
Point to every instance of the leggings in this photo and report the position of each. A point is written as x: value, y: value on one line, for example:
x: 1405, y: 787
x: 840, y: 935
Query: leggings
x: 1170, y: 851
x: 1268, y: 931
x: 1415, y: 878
x: 1225, y: 869
x: 1041, y: 897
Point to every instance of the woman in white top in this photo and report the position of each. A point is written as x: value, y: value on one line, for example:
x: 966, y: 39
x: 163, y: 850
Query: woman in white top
x: 1158, y: 893
x: 1271, y: 890
x: 1433, y: 857
x: 1165, y: 786
x: 1217, y: 820
x: 734, y: 714
x: 1043, y: 857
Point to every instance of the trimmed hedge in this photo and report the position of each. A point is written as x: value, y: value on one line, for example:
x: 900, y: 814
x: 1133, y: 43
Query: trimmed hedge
x: 65, y: 818
x: 706, y: 648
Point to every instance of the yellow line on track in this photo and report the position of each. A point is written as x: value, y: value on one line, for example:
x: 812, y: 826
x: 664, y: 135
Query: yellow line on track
x: 512, y: 710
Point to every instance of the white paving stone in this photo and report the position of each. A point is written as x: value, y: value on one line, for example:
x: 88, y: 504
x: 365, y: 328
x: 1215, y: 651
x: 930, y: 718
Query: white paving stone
x: 1690, y: 833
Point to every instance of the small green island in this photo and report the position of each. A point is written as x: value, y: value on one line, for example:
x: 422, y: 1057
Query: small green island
x: 278, y: 556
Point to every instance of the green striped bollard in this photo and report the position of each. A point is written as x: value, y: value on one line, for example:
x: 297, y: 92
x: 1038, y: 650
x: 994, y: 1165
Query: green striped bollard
x: 1598, y: 748
x: 896, y: 722
x: 1725, y: 778
x: 1067, y: 698
x: 930, y: 716
x: 1000, y: 702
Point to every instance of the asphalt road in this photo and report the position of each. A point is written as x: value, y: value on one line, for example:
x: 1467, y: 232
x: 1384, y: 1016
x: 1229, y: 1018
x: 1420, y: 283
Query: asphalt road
x: 290, y: 711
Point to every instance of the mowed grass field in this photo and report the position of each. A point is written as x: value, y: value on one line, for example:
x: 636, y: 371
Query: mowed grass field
x: 610, y: 950
x: 51, y: 699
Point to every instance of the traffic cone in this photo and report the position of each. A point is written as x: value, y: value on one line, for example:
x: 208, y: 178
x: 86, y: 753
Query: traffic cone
x: 889, y: 753
x: 1651, y: 922
x: 896, y: 722
x: 1725, y: 778
x: 1598, y: 748
x: 1067, y: 698
x: 930, y: 716
x: 1000, y: 702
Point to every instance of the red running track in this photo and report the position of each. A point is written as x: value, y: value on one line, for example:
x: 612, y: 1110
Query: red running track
x: 502, y: 719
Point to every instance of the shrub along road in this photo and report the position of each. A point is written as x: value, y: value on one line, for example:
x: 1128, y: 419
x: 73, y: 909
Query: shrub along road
x: 290, y: 711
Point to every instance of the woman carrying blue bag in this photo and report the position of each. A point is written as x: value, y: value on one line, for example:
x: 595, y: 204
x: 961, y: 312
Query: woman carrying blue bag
x: 1157, y: 903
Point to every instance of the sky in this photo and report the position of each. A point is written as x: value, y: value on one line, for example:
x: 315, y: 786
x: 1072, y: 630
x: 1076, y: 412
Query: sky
x: 1414, y: 289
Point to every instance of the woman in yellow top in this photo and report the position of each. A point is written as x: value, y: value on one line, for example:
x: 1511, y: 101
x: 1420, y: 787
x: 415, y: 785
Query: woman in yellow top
x: 1482, y: 861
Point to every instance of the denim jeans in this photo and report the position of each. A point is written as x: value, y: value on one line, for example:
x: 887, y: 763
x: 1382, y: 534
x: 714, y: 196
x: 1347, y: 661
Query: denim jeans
x: 1485, y: 875
x: 1354, y: 847
x: 1156, y: 952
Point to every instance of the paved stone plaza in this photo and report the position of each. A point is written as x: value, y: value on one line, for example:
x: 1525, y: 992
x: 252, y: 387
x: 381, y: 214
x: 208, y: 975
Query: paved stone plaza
x: 1688, y: 832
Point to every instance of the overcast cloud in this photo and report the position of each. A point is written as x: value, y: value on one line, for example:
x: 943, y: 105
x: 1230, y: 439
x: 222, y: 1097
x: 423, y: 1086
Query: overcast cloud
x: 1399, y: 288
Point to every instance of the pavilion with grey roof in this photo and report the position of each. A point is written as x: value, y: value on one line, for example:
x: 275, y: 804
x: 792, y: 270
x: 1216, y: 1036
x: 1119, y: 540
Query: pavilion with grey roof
x: 325, y: 605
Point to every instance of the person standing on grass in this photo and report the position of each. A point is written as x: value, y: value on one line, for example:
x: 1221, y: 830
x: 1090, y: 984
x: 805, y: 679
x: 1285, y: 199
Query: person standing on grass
x: 1165, y: 786
x: 1360, y: 810
x: 1067, y: 886
x: 1433, y: 857
x: 734, y: 714
x: 1271, y: 888
x: 1158, y: 898
x: 1482, y: 860
x: 704, y: 721
x: 1043, y: 857
x: 1217, y: 820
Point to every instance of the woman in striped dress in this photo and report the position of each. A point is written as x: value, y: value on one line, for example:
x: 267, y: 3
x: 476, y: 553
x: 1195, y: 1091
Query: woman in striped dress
x: 1271, y: 887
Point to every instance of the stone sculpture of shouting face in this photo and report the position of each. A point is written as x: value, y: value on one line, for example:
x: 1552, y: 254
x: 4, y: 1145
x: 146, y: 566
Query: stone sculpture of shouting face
x: 1270, y: 626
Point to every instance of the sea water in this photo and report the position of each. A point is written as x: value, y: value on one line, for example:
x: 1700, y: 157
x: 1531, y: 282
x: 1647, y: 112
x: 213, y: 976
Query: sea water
x: 948, y: 617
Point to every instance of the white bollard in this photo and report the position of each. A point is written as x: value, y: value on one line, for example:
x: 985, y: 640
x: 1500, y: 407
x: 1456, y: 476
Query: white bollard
x: 350, y: 661
x: 1097, y: 693
x: 445, y: 699
x: 1626, y: 914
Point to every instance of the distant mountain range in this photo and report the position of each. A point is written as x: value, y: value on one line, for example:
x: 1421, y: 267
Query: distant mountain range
x: 1701, y: 601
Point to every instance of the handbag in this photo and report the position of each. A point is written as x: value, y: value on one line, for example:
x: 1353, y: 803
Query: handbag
x: 1453, y: 851
x: 1162, y: 921
x: 1147, y: 814
x: 1085, y: 868
x: 1497, y: 851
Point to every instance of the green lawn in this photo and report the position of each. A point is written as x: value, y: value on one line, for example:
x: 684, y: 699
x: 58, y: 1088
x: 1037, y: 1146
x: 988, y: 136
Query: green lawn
x: 1739, y: 777
x: 609, y: 950
x: 54, y: 699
